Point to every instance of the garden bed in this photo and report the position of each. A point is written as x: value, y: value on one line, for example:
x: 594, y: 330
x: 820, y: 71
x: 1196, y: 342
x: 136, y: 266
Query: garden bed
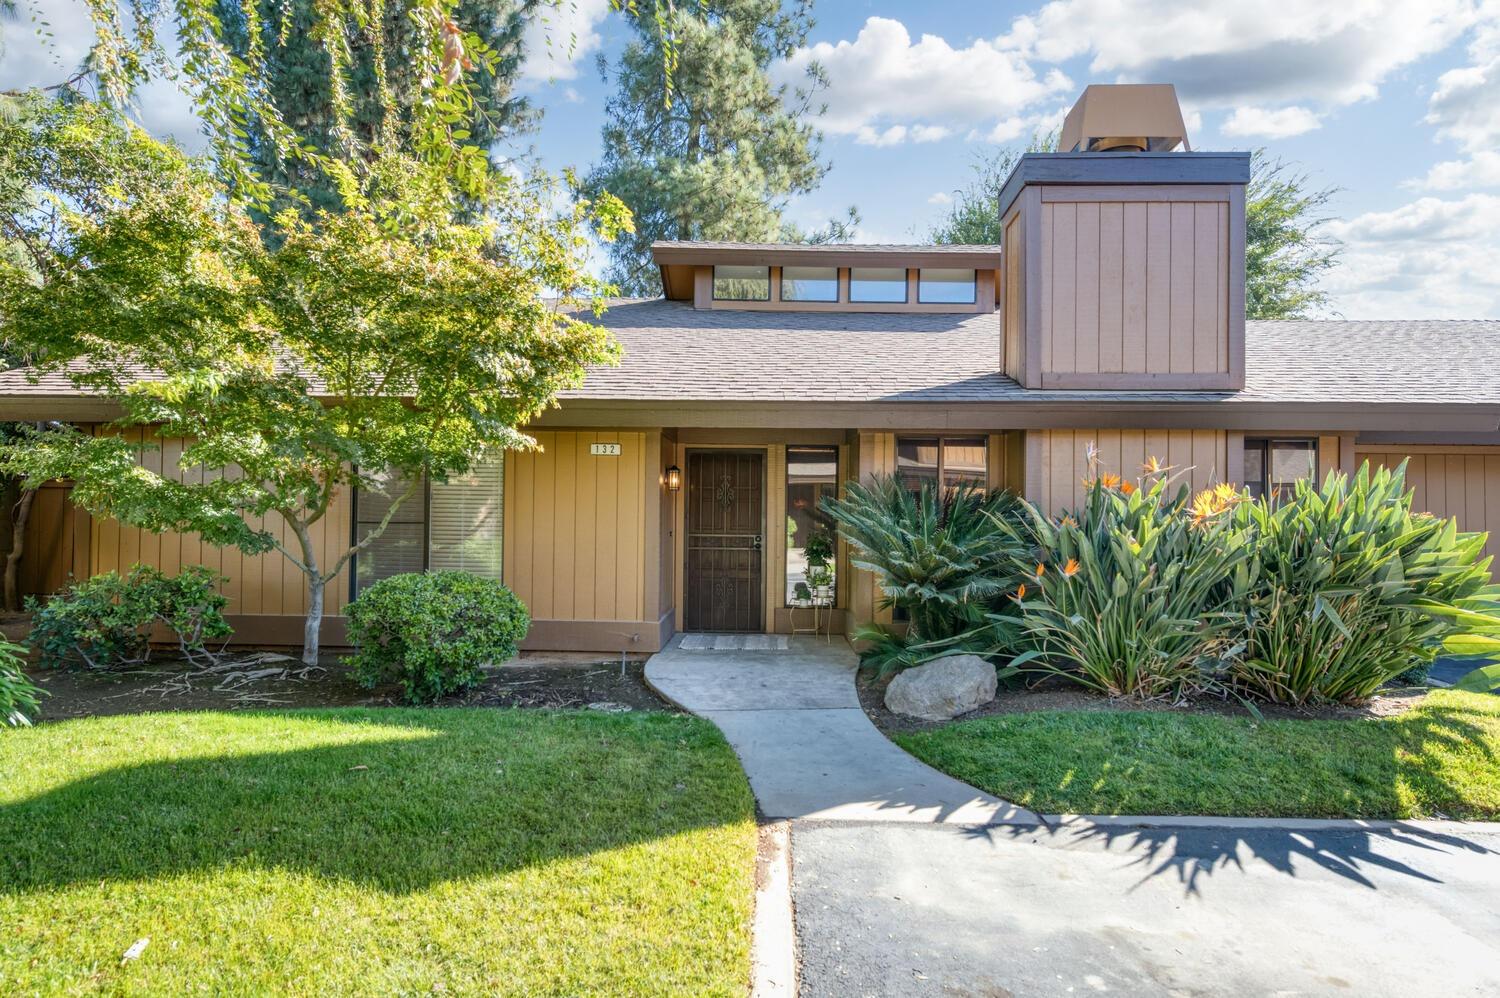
x: 536, y: 680
x: 1053, y: 693
x: 1438, y: 756
x: 393, y: 851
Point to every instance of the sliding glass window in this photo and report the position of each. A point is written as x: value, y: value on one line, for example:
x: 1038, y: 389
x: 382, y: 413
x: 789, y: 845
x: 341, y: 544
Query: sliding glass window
x: 950, y: 460
x: 455, y: 525
x: 1272, y: 467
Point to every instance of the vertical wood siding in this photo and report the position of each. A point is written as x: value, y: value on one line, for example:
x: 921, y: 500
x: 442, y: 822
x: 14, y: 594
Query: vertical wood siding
x: 47, y: 564
x: 575, y: 526
x: 261, y: 584
x: 1463, y: 482
x: 1012, y: 300
x: 1132, y: 287
x: 1056, y: 483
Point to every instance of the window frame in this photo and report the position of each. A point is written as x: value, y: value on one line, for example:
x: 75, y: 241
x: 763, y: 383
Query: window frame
x: 836, y: 452
x: 1265, y: 447
x: 714, y: 281
x: 781, y: 286
x: 944, y: 441
x: 973, y: 298
x: 905, y: 298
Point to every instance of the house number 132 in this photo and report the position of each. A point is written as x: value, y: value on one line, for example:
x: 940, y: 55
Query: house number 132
x: 604, y: 450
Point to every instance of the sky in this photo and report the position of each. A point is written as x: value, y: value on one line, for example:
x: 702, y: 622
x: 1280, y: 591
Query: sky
x: 1394, y: 102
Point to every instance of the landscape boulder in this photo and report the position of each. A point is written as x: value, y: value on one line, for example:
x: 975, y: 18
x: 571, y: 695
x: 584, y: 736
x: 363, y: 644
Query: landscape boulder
x: 943, y: 688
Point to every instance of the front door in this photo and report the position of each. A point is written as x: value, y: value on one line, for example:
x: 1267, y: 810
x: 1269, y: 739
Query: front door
x: 725, y: 522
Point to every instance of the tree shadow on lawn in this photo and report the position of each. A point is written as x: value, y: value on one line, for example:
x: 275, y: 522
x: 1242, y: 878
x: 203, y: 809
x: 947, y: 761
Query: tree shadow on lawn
x: 420, y: 797
x: 1421, y: 740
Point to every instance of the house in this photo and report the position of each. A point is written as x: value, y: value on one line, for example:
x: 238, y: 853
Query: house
x: 676, y: 492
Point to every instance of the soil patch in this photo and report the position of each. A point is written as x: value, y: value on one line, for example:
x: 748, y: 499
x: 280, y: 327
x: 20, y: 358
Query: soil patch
x: 1054, y: 693
x: 542, y: 680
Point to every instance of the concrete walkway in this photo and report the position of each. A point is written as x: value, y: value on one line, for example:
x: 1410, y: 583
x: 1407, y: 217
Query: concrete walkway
x: 794, y: 719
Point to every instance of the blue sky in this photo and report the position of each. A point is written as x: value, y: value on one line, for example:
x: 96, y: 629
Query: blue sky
x: 1396, y: 102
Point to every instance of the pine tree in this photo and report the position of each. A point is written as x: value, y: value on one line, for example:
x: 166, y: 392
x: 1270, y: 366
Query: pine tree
x: 720, y: 156
x: 301, y: 83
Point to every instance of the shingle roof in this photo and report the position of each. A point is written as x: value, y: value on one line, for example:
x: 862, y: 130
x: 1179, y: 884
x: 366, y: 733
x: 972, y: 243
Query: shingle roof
x: 674, y: 352
x: 831, y: 248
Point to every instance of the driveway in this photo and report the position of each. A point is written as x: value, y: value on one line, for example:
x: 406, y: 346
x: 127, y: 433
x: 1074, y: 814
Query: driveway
x: 932, y: 910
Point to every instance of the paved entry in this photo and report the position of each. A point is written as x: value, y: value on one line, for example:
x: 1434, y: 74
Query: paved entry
x: 789, y: 708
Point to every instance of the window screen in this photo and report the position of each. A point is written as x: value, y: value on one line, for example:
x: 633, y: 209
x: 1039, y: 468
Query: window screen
x: 1274, y: 466
x: 400, y: 548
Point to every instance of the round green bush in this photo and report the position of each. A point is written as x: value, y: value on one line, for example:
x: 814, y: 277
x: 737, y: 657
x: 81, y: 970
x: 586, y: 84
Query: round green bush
x: 433, y: 632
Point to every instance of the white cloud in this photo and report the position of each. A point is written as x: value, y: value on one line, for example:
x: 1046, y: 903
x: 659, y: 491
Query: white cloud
x: 1431, y: 258
x: 1480, y: 170
x: 1226, y: 53
x: 883, y: 81
x: 44, y: 43
x: 940, y: 197
x: 1260, y: 122
x: 558, y: 36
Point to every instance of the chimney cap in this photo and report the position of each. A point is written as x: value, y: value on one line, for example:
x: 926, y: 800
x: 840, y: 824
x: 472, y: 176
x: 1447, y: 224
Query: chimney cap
x: 1119, y: 110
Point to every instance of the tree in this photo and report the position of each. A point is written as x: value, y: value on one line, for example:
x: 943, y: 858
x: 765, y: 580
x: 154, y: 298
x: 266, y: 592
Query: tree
x: 974, y: 216
x: 373, y: 104
x: 1285, y: 255
x: 720, y: 154
x: 399, y: 334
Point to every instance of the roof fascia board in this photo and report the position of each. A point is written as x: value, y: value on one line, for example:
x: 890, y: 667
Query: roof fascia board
x: 1102, y: 168
x: 814, y: 257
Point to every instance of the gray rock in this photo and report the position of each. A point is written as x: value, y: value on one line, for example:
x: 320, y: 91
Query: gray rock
x: 943, y: 688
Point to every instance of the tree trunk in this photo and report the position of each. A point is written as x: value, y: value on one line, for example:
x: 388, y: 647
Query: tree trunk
x: 314, y: 622
x: 19, y: 518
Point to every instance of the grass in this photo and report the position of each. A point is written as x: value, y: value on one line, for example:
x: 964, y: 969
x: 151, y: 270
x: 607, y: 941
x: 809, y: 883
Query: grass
x: 375, y: 852
x: 1440, y: 759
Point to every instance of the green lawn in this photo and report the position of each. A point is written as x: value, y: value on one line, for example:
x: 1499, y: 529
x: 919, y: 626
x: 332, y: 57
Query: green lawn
x: 375, y: 852
x: 1440, y: 758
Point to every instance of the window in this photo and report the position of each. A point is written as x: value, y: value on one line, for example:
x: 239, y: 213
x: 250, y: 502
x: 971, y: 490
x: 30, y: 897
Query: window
x: 950, y: 460
x: 812, y: 474
x: 945, y: 287
x: 742, y: 283
x: 809, y: 284
x: 1274, y: 466
x: 400, y: 547
x: 877, y: 284
x: 444, y: 526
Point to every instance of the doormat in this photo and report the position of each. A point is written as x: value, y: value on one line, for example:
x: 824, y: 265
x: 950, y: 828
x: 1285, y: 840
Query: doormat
x: 735, y: 642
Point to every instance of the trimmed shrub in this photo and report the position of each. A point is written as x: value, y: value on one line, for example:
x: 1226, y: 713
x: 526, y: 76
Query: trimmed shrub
x: 105, y: 622
x: 1127, y: 596
x: 1350, y: 589
x: 937, y: 557
x: 433, y: 632
x: 18, y: 697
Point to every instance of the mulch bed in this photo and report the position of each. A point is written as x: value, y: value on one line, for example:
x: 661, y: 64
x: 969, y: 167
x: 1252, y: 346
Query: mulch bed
x: 1054, y: 693
x: 540, y: 680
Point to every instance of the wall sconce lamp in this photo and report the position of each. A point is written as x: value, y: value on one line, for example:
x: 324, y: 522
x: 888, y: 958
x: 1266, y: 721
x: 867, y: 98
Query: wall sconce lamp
x: 674, y: 478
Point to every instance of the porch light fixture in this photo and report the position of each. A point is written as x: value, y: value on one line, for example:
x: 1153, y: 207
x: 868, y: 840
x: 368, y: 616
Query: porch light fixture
x: 674, y: 478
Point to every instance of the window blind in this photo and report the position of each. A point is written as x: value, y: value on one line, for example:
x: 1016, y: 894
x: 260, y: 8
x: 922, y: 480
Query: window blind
x: 465, y: 521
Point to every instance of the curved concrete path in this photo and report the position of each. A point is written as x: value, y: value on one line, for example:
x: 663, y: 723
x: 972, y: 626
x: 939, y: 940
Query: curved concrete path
x: 793, y: 717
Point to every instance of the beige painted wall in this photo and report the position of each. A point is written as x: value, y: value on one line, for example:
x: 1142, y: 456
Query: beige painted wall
x: 1462, y: 482
x: 257, y: 584
x: 575, y: 526
x: 1135, y: 287
x: 1057, y: 463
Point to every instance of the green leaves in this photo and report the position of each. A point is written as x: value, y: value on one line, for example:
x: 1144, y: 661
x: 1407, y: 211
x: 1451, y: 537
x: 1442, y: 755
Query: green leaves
x: 433, y: 632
